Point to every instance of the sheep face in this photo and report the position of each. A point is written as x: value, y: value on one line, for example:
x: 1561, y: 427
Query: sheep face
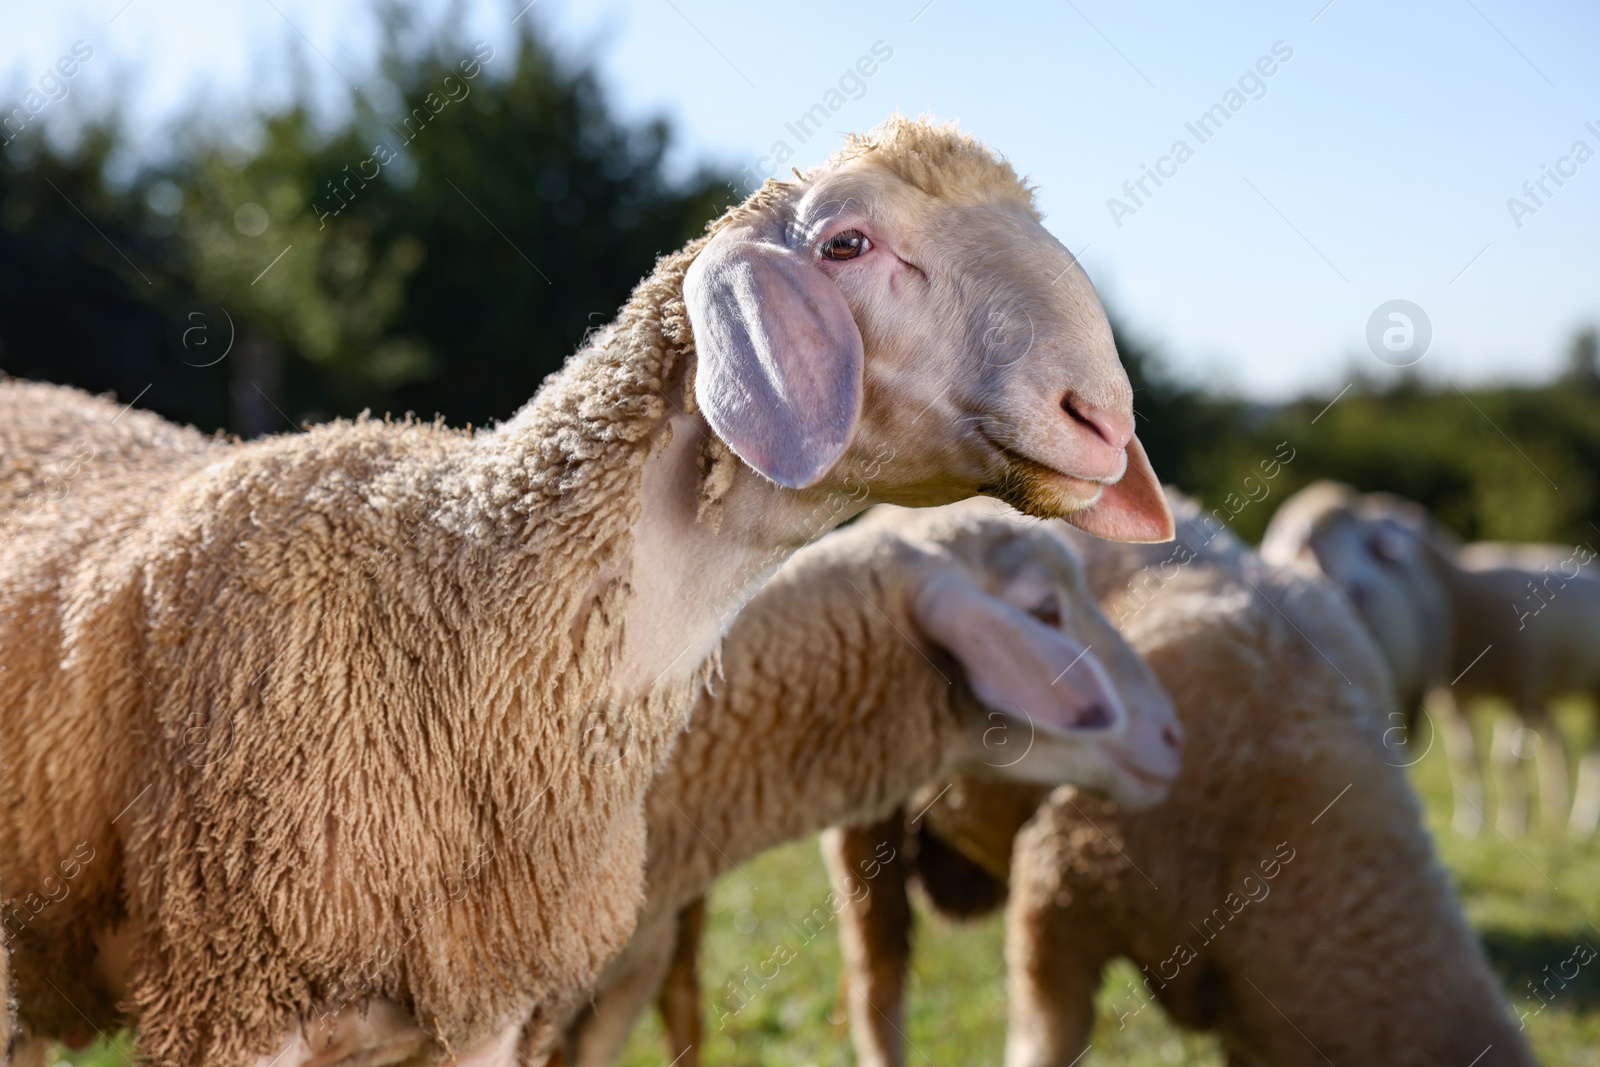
x: 1383, y: 571
x: 876, y: 303
x: 1056, y: 694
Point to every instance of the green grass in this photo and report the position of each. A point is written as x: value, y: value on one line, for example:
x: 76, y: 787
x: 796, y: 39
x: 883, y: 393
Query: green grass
x: 1531, y: 901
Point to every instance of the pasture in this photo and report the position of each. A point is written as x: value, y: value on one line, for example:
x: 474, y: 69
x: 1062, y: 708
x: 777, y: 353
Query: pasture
x: 1531, y: 901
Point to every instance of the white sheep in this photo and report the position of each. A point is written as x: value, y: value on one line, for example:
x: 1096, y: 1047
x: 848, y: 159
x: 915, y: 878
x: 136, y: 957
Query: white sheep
x: 360, y: 720
x: 1517, y: 622
x: 1285, y: 897
x: 910, y: 645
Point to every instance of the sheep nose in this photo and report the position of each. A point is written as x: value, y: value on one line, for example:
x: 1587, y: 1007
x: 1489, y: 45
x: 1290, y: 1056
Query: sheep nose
x: 1115, y: 428
x: 1172, y: 734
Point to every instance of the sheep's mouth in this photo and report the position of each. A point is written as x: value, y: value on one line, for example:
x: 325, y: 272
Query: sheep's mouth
x: 1036, y: 488
x: 1150, y: 778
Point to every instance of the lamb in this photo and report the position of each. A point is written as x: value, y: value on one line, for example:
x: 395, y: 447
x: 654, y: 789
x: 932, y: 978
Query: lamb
x: 1301, y: 913
x: 1519, y: 622
x: 910, y: 645
x: 344, y: 707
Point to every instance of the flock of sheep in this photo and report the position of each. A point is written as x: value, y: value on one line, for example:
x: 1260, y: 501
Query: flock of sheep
x: 386, y: 743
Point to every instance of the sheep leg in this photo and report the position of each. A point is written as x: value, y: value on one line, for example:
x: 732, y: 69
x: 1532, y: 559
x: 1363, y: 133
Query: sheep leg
x: 1586, y: 797
x: 1053, y: 970
x: 679, y: 1002
x: 869, y: 871
x: 32, y: 1051
x: 1461, y: 752
x: 1550, y: 762
x: 600, y: 1034
x: 1511, y: 777
x: 374, y: 1033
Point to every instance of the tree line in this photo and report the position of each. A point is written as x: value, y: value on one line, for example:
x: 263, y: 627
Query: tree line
x: 448, y: 239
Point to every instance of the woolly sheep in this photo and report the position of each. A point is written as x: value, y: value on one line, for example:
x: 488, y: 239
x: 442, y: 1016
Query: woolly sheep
x: 1518, y: 622
x: 1286, y: 896
x: 912, y: 644
x: 338, y: 709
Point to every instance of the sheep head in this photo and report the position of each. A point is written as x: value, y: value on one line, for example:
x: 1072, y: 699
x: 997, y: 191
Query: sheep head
x: 1053, y: 693
x: 899, y: 319
x: 1375, y: 549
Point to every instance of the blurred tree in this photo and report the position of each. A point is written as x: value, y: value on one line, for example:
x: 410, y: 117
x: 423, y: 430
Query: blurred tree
x: 443, y: 250
x: 1179, y: 424
x: 440, y: 249
x: 88, y: 295
x: 446, y: 243
x: 1508, y: 462
x: 1583, y: 360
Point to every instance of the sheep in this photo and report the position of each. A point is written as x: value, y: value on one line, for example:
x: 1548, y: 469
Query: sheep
x: 344, y: 707
x: 1518, y: 622
x: 909, y: 645
x: 1286, y: 896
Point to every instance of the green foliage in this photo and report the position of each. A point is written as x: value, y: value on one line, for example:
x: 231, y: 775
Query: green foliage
x: 452, y: 241
x: 1507, y: 463
x: 440, y: 249
x: 88, y: 294
x: 1531, y: 902
x: 447, y: 242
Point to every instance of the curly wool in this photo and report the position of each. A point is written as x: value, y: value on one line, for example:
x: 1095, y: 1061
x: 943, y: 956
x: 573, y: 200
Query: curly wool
x: 285, y: 692
x: 281, y: 689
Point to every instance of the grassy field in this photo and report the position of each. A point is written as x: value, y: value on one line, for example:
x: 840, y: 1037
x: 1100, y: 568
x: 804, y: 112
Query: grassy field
x: 1531, y: 901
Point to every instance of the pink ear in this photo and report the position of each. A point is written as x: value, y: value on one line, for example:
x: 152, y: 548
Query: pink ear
x: 1391, y: 543
x: 780, y: 359
x: 1014, y: 663
x: 1134, y: 509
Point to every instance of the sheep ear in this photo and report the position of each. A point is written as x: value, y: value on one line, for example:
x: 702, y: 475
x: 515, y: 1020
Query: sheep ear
x: 1134, y: 509
x: 1391, y: 544
x: 1015, y: 663
x: 779, y: 355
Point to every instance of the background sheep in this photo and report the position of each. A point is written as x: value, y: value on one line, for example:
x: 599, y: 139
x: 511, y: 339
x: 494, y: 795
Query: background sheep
x: 1517, y: 622
x: 1300, y: 911
x: 344, y: 708
x: 912, y: 644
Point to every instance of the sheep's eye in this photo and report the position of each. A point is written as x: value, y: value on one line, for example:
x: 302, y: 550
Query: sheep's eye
x: 847, y: 244
x: 1049, y: 612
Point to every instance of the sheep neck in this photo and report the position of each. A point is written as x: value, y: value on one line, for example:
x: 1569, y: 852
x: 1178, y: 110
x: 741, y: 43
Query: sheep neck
x: 612, y: 455
x: 781, y: 748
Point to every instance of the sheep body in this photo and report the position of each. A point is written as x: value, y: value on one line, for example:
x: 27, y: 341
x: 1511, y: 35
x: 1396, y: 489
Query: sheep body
x: 1514, y: 621
x: 832, y: 707
x: 1295, y: 879
x: 350, y: 549
x: 361, y: 719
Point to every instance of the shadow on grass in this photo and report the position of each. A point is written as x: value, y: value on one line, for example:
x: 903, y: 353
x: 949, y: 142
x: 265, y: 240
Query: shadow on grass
x: 1541, y: 966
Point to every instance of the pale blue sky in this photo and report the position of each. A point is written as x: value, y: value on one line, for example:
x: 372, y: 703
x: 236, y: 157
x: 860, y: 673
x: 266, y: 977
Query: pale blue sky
x: 1377, y: 165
